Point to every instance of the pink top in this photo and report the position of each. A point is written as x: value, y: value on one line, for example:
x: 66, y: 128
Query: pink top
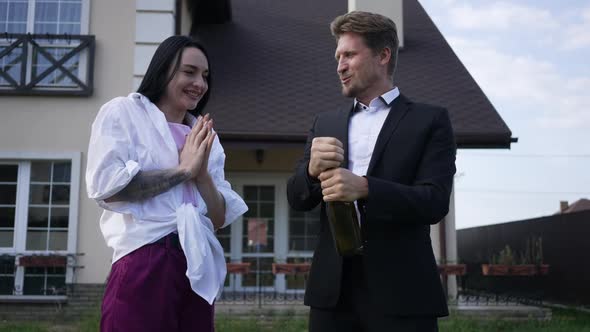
x: 179, y: 132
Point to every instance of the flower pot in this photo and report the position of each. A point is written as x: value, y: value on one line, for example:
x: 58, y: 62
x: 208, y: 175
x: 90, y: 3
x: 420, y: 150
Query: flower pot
x: 494, y: 269
x: 452, y: 269
x: 522, y: 270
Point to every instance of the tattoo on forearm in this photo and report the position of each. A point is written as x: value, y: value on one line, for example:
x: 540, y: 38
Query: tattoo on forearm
x: 148, y: 184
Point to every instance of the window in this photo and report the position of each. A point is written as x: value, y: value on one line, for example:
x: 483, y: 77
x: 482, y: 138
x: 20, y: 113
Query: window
x: 258, y: 227
x: 8, y: 182
x: 49, y: 198
x: 38, y: 208
x: 41, y: 16
x: 42, y: 49
x: 304, y: 228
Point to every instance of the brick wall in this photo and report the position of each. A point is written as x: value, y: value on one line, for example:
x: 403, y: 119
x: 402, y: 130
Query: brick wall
x: 83, y: 299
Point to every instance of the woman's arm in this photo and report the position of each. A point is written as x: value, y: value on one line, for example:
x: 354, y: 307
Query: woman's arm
x: 193, y: 157
x: 213, y: 199
x: 147, y: 184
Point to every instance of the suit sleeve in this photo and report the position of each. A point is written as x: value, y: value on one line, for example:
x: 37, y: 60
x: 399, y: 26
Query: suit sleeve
x: 304, y: 192
x: 426, y: 200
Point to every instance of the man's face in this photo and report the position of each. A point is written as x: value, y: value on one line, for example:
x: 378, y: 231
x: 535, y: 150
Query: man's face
x: 359, y: 69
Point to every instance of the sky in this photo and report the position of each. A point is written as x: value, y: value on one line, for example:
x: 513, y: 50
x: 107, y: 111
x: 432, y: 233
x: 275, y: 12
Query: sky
x: 532, y: 60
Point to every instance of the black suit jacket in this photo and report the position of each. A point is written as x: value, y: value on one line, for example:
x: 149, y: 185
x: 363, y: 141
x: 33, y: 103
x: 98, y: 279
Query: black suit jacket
x: 410, y: 179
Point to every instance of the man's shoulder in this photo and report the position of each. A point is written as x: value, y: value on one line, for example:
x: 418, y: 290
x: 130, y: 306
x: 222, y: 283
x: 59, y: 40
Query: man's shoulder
x: 426, y: 108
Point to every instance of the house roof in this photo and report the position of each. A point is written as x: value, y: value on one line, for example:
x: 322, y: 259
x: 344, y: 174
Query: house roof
x: 579, y: 205
x: 273, y: 69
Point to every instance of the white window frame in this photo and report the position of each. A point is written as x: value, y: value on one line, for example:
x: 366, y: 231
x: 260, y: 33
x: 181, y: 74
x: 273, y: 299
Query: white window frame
x: 24, y: 159
x: 84, y: 16
x: 281, y: 233
x: 279, y: 180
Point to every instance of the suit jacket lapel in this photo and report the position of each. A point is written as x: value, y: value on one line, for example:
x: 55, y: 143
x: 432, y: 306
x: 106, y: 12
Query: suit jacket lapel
x: 399, y: 108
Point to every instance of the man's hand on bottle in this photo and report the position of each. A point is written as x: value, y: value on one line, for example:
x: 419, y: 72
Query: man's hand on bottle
x: 326, y: 153
x: 340, y: 184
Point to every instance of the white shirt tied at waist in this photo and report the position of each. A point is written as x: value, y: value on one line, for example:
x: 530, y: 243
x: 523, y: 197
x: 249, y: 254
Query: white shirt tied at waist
x: 131, y: 134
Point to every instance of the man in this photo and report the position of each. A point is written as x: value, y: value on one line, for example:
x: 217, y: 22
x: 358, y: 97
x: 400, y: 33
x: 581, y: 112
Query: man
x: 396, y: 160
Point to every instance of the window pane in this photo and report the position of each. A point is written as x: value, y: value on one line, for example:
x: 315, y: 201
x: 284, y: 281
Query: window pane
x: 7, y: 217
x: 7, y: 193
x: 60, y: 194
x: 70, y: 12
x: 34, y: 285
x: 224, y: 237
x: 258, y: 235
x: 56, y: 285
x: 8, y: 173
x: 17, y: 11
x: 45, y: 12
x: 260, y: 272
x: 250, y: 193
x: 6, y: 275
x: 295, y: 214
x: 36, y: 240
x: 40, y: 171
x: 6, y: 238
x: 267, y: 193
x: 6, y: 285
x: 62, y: 171
x: 303, y: 229
x: 10, y: 63
x: 38, y: 217
x: 50, y: 28
x: 44, y: 281
x: 3, y: 12
x: 55, y: 270
x: 39, y: 194
x: 296, y: 227
x: 70, y: 28
x: 252, y: 210
x: 297, y: 281
x: 296, y: 243
x: 60, y: 217
x: 58, y: 240
x: 16, y: 28
x: 267, y: 210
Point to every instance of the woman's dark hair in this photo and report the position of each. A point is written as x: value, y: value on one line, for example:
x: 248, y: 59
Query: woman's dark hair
x: 157, y: 75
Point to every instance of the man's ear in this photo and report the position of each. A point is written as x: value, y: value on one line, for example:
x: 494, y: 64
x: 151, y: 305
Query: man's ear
x: 385, y: 56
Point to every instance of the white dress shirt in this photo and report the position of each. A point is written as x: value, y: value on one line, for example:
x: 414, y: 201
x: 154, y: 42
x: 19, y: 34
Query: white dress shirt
x: 363, y: 129
x: 131, y: 134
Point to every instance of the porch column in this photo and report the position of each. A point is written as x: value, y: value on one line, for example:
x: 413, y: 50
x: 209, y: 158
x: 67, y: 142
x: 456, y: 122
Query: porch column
x: 451, y: 245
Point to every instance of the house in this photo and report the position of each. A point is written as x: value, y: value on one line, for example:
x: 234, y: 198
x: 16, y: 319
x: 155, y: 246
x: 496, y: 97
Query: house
x: 580, y: 205
x: 273, y: 69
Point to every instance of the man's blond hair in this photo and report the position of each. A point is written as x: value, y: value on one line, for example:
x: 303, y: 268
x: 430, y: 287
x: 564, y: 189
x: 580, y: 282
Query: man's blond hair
x: 378, y: 32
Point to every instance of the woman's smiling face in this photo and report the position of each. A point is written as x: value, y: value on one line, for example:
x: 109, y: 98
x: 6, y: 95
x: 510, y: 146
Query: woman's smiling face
x: 189, y: 83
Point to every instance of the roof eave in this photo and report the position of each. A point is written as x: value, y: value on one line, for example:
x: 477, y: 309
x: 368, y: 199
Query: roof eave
x: 261, y: 140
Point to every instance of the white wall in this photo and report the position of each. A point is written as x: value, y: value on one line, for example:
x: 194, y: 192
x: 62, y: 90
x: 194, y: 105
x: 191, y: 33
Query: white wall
x: 390, y: 8
x: 62, y: 124
x: 154, y: 22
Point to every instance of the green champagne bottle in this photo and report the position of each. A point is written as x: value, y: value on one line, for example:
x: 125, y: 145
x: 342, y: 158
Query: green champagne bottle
x: 345, y: 227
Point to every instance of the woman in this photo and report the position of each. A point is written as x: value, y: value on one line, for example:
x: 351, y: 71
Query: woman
x: 158, y: 173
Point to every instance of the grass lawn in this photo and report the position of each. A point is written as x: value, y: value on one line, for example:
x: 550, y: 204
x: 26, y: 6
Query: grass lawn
x: 563, y: 321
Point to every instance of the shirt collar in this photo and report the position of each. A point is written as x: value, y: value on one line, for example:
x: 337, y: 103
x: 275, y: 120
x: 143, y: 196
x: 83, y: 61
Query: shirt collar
x: 387, y: 98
